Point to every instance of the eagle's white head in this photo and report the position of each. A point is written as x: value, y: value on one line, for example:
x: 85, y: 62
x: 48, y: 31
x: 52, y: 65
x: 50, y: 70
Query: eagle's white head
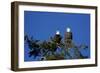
x: 57, y: 32
x: 68, y: 29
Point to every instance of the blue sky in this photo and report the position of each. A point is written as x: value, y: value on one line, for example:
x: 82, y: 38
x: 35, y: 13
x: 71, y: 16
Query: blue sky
x: 43, y: 25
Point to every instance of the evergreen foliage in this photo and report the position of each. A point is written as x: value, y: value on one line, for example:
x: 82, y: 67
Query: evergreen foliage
x: 47, y: 49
